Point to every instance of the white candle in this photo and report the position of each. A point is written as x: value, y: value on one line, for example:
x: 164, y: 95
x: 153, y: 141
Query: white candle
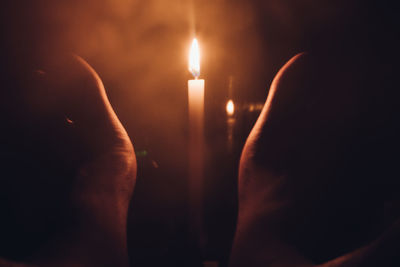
x: 230, y: 111
x: 196, y: 141
x: 196, y: 107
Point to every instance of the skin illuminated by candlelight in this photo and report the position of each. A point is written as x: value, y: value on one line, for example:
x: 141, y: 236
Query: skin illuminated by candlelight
x: 93, y: 231
x: 299, y: 192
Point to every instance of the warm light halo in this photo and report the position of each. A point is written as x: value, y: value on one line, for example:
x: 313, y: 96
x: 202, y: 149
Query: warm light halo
x: 194, y: 59
x: 230, y: 108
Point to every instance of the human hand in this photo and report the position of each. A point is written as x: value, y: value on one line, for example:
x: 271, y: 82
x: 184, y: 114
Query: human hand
x: 305, y: 194
x: 85, y: 137
x: 286, y: 162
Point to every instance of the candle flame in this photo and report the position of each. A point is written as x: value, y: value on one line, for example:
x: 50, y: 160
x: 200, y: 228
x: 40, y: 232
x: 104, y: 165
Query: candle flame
x: 194, y: 59
x: 230, y: 108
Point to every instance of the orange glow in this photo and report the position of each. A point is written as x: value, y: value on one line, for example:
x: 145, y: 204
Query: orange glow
x: 230, y: 108
x: 194, y: 59
x: 69, y: 121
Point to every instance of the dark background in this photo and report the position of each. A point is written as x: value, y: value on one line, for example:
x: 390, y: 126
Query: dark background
x: 139, y: 49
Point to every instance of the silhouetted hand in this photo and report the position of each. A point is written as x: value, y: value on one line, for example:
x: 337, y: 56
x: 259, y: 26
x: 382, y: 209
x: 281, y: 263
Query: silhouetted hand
x: 266, y: 193
x: 292, y: 187
x: 100, y: 153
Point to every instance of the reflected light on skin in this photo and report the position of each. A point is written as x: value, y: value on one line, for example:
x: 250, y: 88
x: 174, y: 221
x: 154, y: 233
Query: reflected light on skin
x: 230, y: 108
x: 69, y: 121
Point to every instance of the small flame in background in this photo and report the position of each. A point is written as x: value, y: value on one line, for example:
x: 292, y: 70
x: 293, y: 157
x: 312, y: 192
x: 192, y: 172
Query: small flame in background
x: 230, y: 108
x: 194, y: 59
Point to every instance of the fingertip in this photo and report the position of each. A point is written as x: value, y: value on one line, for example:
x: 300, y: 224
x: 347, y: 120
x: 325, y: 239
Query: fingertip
x: 86, y: 69
x: 296, y: 62
x: 290, y: 68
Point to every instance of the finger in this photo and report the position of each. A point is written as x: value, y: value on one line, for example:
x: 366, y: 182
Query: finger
x: 80, y: 91
x: 77, y: 92
x: 308, y: 111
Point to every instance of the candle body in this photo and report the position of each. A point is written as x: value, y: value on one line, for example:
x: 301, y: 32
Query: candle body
x: 196, y: 155
x: 230, y: 126
x: 196, y: 109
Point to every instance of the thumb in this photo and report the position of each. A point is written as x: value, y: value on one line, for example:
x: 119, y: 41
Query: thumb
x: 86, y: 104
x: 69, y: 95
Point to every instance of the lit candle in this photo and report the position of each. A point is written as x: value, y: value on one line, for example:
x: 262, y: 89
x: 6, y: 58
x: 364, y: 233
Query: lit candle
x: 196, y: 142
x: 196, y: 90
x: 230, y: 111
x: 230, y: 108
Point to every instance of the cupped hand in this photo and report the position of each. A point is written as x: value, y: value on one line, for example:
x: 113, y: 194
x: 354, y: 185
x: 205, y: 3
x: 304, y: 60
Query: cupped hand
x: 84, y: 141
x: 286, y: 164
